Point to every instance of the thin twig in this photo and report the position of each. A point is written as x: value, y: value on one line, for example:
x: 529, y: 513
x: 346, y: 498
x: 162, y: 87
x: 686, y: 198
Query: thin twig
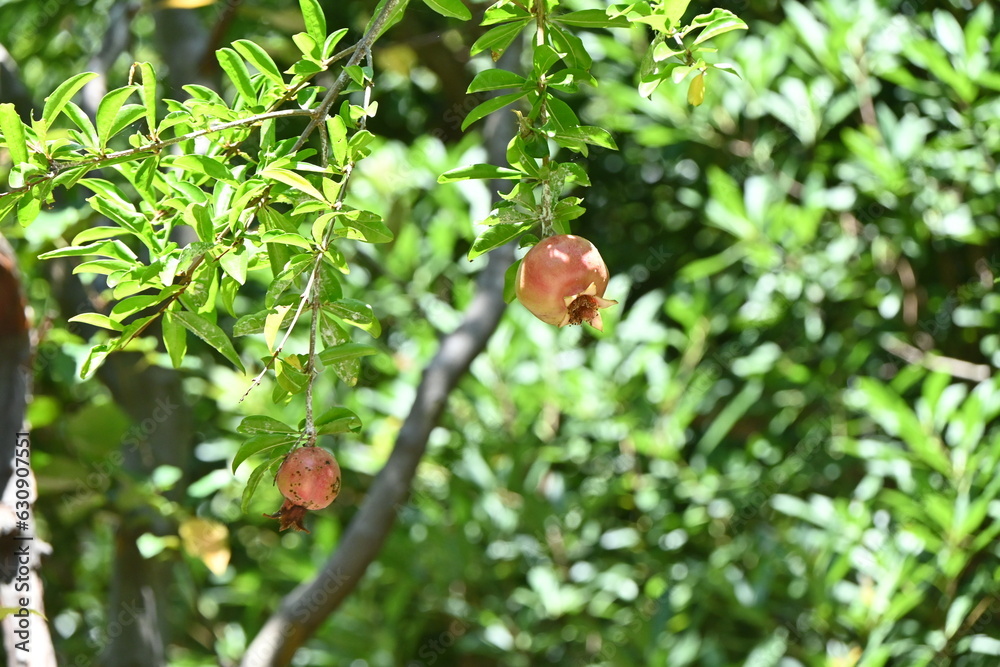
x: 936, y: 362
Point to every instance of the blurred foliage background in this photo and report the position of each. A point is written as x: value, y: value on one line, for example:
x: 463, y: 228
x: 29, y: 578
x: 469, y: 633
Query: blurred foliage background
x: 783, y: 450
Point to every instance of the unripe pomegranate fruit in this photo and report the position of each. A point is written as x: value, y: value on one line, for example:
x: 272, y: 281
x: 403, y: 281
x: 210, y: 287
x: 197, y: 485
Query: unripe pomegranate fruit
x: 309, y: 479
x: 562, y: 280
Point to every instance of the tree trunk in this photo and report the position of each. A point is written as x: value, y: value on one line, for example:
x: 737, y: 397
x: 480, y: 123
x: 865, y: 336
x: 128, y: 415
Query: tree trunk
x: 26, y: 636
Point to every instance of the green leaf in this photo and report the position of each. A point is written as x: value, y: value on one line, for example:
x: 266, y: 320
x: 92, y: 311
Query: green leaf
x: 489, y: 106
x: 127, y: 115
x: 451, y: 8
x: 293, y: 180
x: 346, y: 351
x: 147, y: 94
x: 13, y: 133
x: 509, y: 282
x: 253, y: 482
x: 260, y: 443
x: 366, y: 226
x: 495, y: 79
x: 204, y: 164
x: 135, y: 304
x: 337, y: 420
x: 211, y: 334
x: 260, y: 424
x: 496, y: 236
x: 55, y: 102
x: 259, y: 58
x: 498, y: 39
x: 7, y: 204
x: 591, y: 135
x: 272, y: 325
x: 82, y: 121
x: 717, y: 22
x: 235, y: 262
x: 566, y: 42
x: 356, y: 313
x: 315, y: 20
x: 107, y: 112
x: 97, y: 320
x: 174, y: 338
x: 504, y: 14
x: 237, y: 71
x: 591, y: 18
x: 476, y: 171
x: 287, y: 238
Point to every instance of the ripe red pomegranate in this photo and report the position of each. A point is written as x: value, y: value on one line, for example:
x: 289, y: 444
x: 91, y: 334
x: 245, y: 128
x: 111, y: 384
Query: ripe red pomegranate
x: 309, y: 479
x: 562, y: 281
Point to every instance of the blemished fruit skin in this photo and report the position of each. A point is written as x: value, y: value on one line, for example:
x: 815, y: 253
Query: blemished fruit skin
x: 309, y: 477
x: 562, y: 280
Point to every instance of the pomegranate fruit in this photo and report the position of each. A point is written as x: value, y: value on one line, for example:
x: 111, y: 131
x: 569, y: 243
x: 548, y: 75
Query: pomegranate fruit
x: 309, y: 479
x: 562, y: 279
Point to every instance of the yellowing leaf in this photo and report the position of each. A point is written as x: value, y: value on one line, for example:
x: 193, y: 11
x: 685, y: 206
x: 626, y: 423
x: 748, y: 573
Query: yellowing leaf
x: 208, y: 541
x: 696, y: 91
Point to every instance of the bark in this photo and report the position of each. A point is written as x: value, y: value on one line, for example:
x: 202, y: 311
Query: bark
x: 26, y: 637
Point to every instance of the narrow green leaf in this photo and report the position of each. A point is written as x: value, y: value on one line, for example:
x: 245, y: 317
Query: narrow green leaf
x: 55, y: 102
x: 204, y: 164
x: 591, y: 135
x: 337, y: 420
x: 237, y: 71
x: 293, y: 180
x: 260, y: 424
x: 576, y: 53
x: 489, y: 106
x: 287, y: 238
x: 127, y: 115
x: 97, y: 320
x: 82, y: 121
x: 717, y: 22
x: 366, y: 226
x: 13, y: 133
x: 477, y: 171
x: 148, y: 94
x: 272, y: 325
x: 211, y: 334
x: 252, y: 483
x: 495, y: 79
x: 345, y: 351
x: 510, y: 281
x: 174, y: 338
x: 135, y: 304
x: 107, y: 112
x: 260, y: 59
x: 496, y: 236
x: 7, y: 204
x: 357, y: 314
x: 499, y: 38
x: 454, y: 9
x: 504, y: 13
x: 591, y: 18
x: 315, y: 19
x: 259, y: 443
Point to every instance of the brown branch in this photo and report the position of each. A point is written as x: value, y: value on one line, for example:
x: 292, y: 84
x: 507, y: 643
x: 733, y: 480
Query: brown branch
x: 936, y: 362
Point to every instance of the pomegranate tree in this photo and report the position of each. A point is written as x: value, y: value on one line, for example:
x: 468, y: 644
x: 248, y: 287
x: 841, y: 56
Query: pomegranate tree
x: 562, y: 279
x: 309, y: 479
